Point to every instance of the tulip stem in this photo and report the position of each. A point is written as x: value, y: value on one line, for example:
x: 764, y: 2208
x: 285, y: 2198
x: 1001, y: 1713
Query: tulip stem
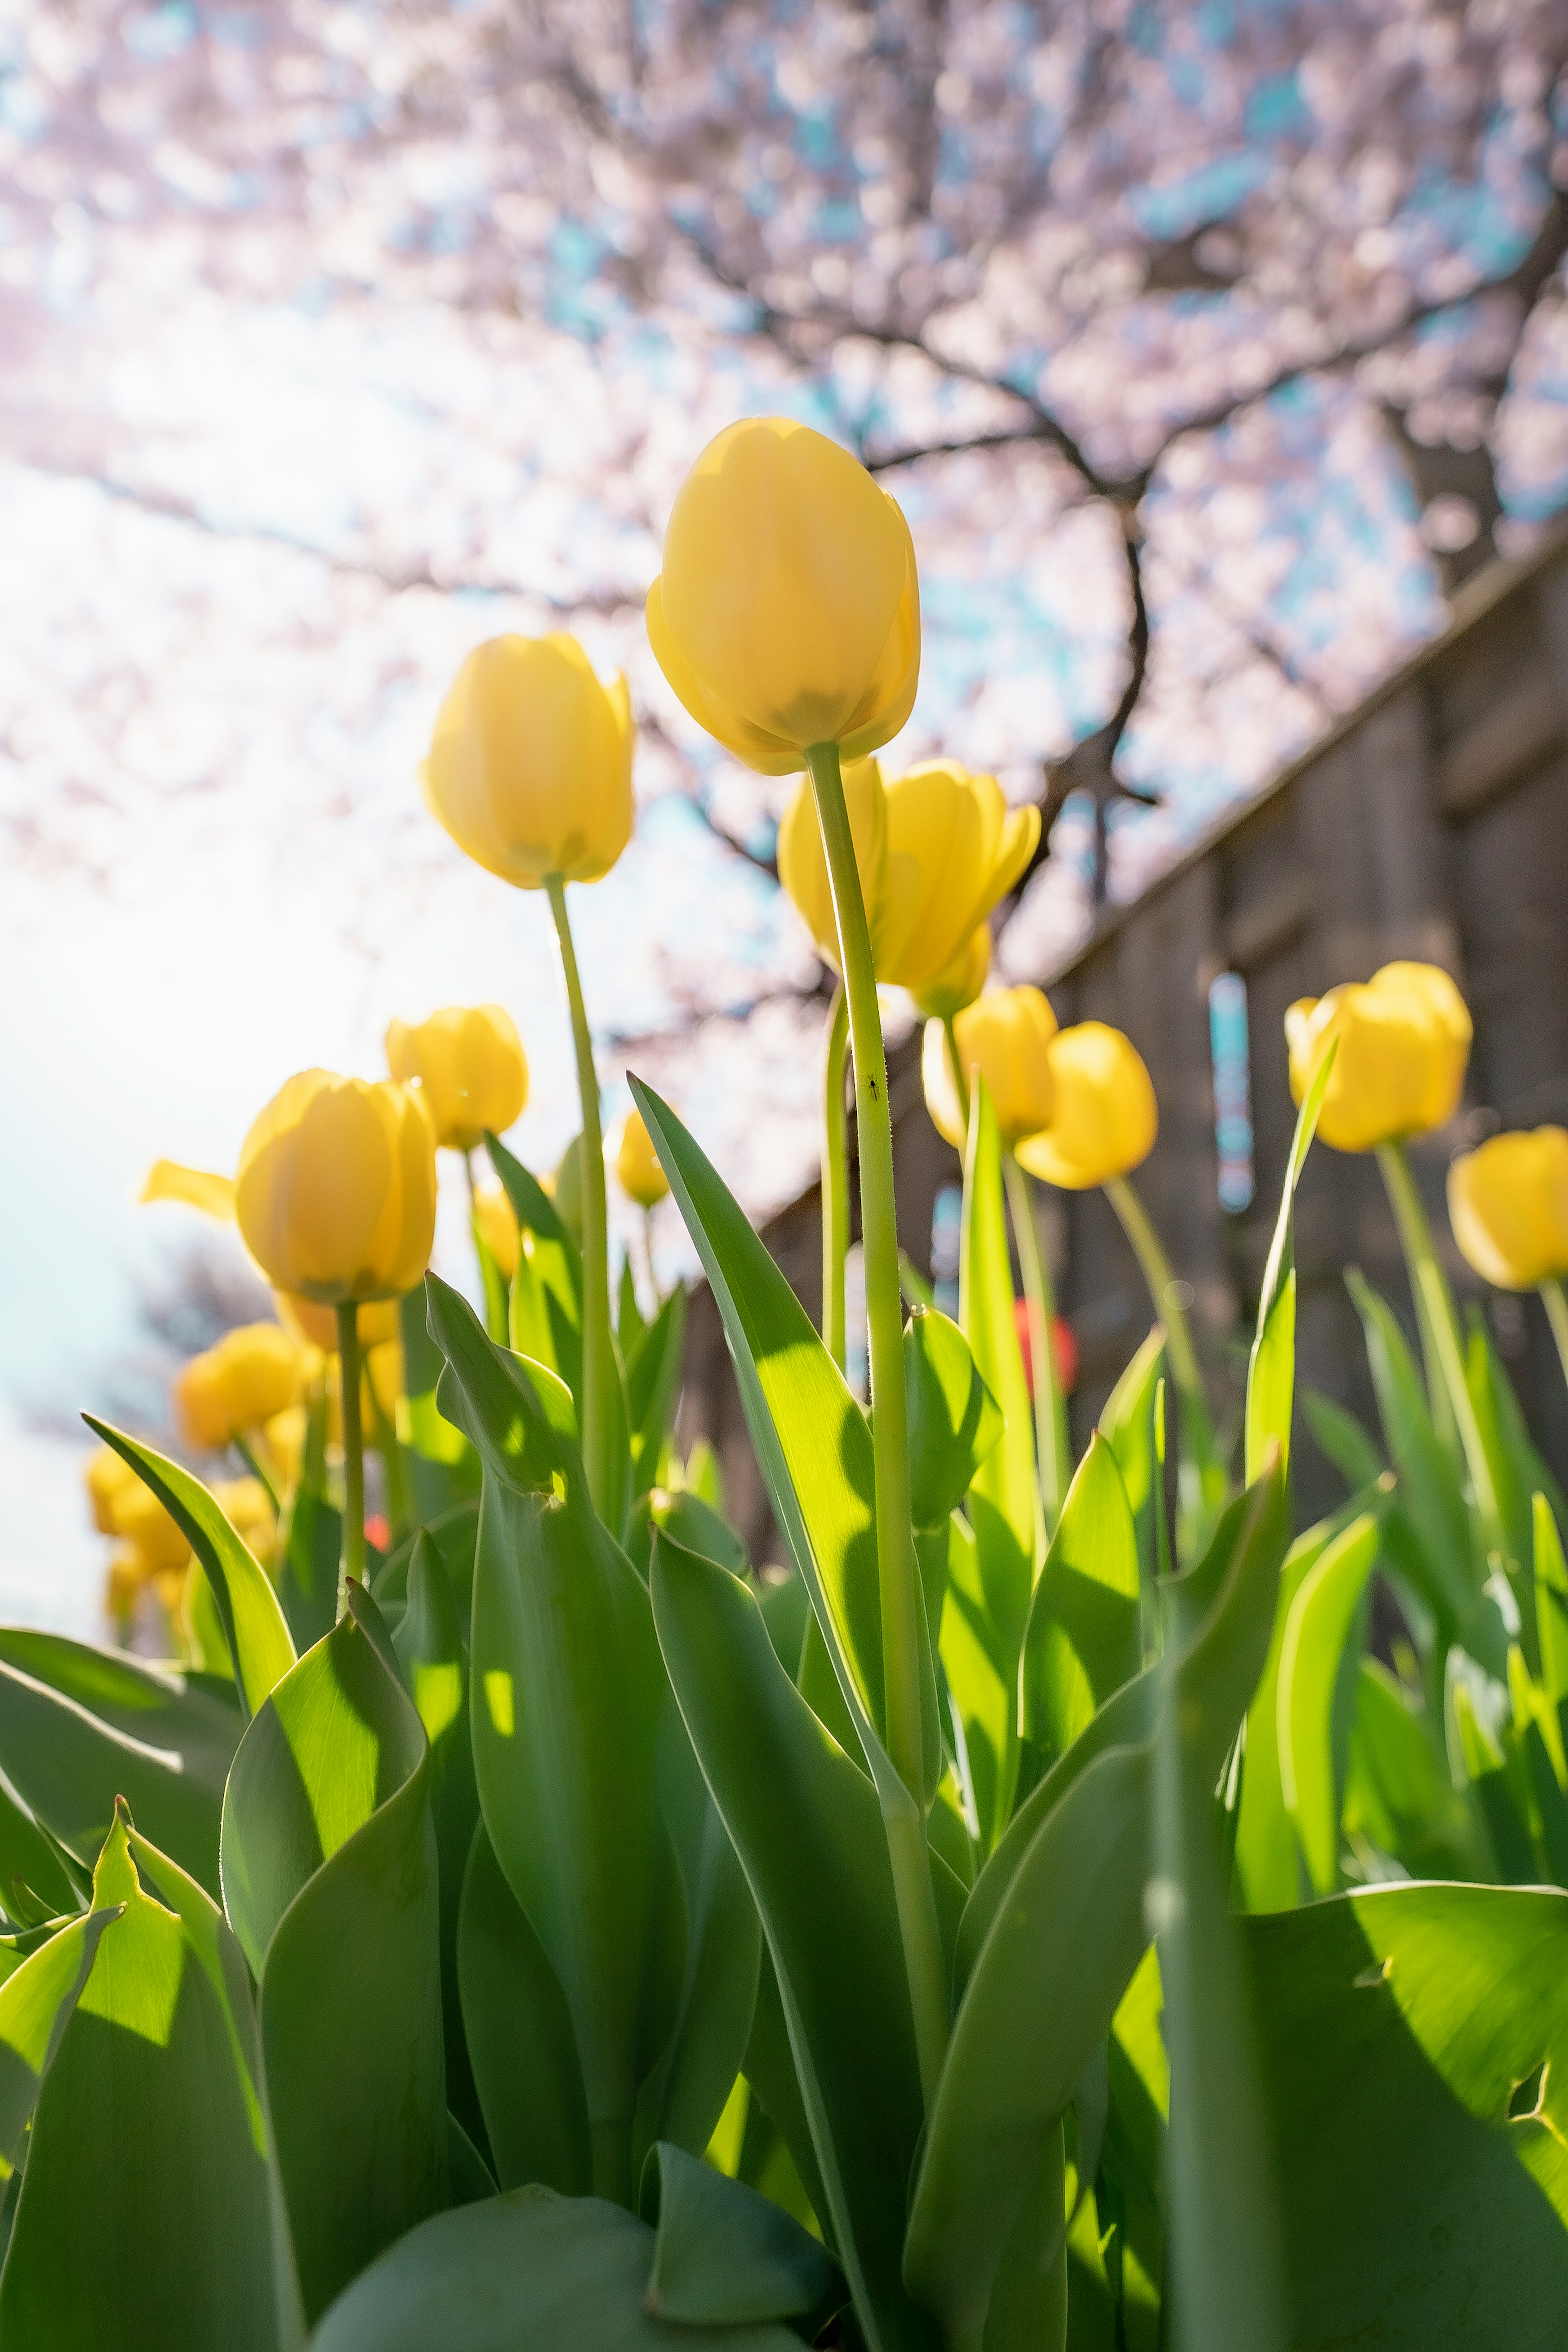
x: 835, y: 1180
x: 903, y: 1818
x: 960, y: 1075
x: 596, y: 1244
x: 252, y: 1461
x: 353, y: 1452
x: 497, y: 1317
x: 1050, y: 1410
x: 1200, y: 1480
x: 1453, y: 1409
x: 1556, y: 1305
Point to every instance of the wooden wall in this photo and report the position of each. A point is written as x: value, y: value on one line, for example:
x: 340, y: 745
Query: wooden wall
x: 1433, y: 823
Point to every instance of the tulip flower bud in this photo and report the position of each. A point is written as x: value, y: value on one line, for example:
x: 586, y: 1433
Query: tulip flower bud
x: 787, y: 613
x: 496, y: 1221
x: 1005, y: 1036
x: 107, y: 1476
x: 1508, y: 1204
x: 530, y: 763
x: 316, y: 1327
x: 1403, y: 1041
x: 638, y: 1170
x: 335, y: 1194
x: 1105, y: 1119
x: 959, y: 983
x: 251, y: 1373
x: 469, y: 1064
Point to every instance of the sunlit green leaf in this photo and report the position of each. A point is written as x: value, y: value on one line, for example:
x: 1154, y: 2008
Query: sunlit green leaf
x: 1316, y: 1630
x: 1271, y: 1371
x: 1083, y: 1641
x: 953, y: 1421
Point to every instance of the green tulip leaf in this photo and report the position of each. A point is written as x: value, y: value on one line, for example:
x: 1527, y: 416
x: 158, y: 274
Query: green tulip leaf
x: 568, y: 1687
x: 806, y: 1822
x: 546, y: 1319
x: 521, y: 2044
x: 1317, y: 1628
x: 312, y: 1551
x: 1126, y: 1419
x: 653, y: 1384
x: 1414, y: 2042
x: 698, y: 1525
x: 331, y: 1882
x: 521, y: 2272
x: 144, y: 2215
x: 438, y: 1459
x: 81, y: 1726
x: 1271, y: 1369
x: 1083, y: 1641
x: 723, y: 2255
x: 1005, y: 1501
x: 1550, y: 1599
x: 37, y: 2001
x: 1429, y: 1490
x: 953, y: 1419
x: 33, y: 1868
x: 254, y: 1625
x: 1341, y: 1439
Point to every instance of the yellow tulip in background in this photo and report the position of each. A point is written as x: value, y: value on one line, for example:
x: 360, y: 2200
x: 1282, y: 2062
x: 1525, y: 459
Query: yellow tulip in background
x: 936, y: 850
x: 1005, y: 1036
x: 317, y: 1325
x: 1508, y: 1204
x: 198, y: 1188
x: 1104, y: 1118
x: 107, y: 1476
x: 1403, y: 1041
x: 787, y: 613
x: 530, y: 768
x: 468, y: 1063
x: 635, y: 1162
x: 496, y: 1222
x: 251, y: 1373
x: 335, y: 1194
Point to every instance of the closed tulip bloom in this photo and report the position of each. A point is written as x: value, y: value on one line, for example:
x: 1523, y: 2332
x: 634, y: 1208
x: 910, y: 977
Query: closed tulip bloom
x: 1005, y: 1036
x: 248, y: 1375
x: 959, y: 981
x: 966, y: 849
x: 1105, y: 1119
x: 529, y: 767
x: 496, y: 1221
x: 335, y: 1195
x: 1508, y: 1204
x: 467, y: 1062
x: 107, y: 1476
x: 156, y: 1539
x: 787, y: 613
x: 1404, y: 1043
x: 316, y: 1327
x: 637, y: 1167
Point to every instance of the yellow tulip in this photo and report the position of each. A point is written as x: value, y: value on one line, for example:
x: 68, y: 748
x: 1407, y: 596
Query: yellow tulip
x: 638, y: 1170
x: 107, y: 1476
x: 1005, y: 1036
x: 122, y: 1585
x: 530, y: 763
x: 1105, y: 1119
x: 496, y: 1222
x: 803, y: 862
x: 959, y: 981
x: 155, y: 1538
x: 467, y: 1062
x: 1508, y: 1204
x: 1403, y: 1041
x: 245, y: 1504
x: 336, y: 1191
x: 285, y: 1436
x: 787, y: 613
x: 199, y: 1188
x: 316, y: 1327
x: 251, y: 1373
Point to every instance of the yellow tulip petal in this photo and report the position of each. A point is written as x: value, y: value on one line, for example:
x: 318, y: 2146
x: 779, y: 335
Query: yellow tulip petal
x: 1105, y: 1117
x: 199, y: 1188
x: 1508, y: 1204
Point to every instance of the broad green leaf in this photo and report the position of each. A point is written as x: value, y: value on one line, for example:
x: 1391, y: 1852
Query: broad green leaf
x: 1550, y: 1599
x: 1341, y: 1439
x: 698, y: 1525
x: 30, y: 1859
x: 984, y: 1695
x: 1266, y: 1862
x: 1047, y: 1948
x: 653, y: 1384
x: 723, y: 2255
x: 521, y: 2040
x: 953, y: 1421
x: 330, y: 1883
x: 546, y: 1323
x: 630, y: 1323
x: 1429, y: 1482
x: 1271, y: 1370
x: 1128, y: 1421
x: 253, y: 1621
x: 312, y: 1551
x: 142, y: 2220
x: 1398, y: 1792
x: 454, y: 1534
x: 37, y: 2001
x: 440, y: 1463
x: 1415, y: 2049
x: 522, y: 2271
x: 67, y: 1749
x: 469, y: 2176
x: 1315, y: 1631
x: 774, y: 2089
x: 683, y: 2097
x: 806, y: 1822
x: 567, y: 1691
x: 1027, y: 2311
x: 1004, y: 1499
x: 1082, y: 1642
x: 812, y: 1441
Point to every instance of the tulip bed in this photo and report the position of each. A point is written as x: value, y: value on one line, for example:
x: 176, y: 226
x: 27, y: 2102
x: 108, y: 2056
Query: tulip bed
x: 1033, y: 1918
